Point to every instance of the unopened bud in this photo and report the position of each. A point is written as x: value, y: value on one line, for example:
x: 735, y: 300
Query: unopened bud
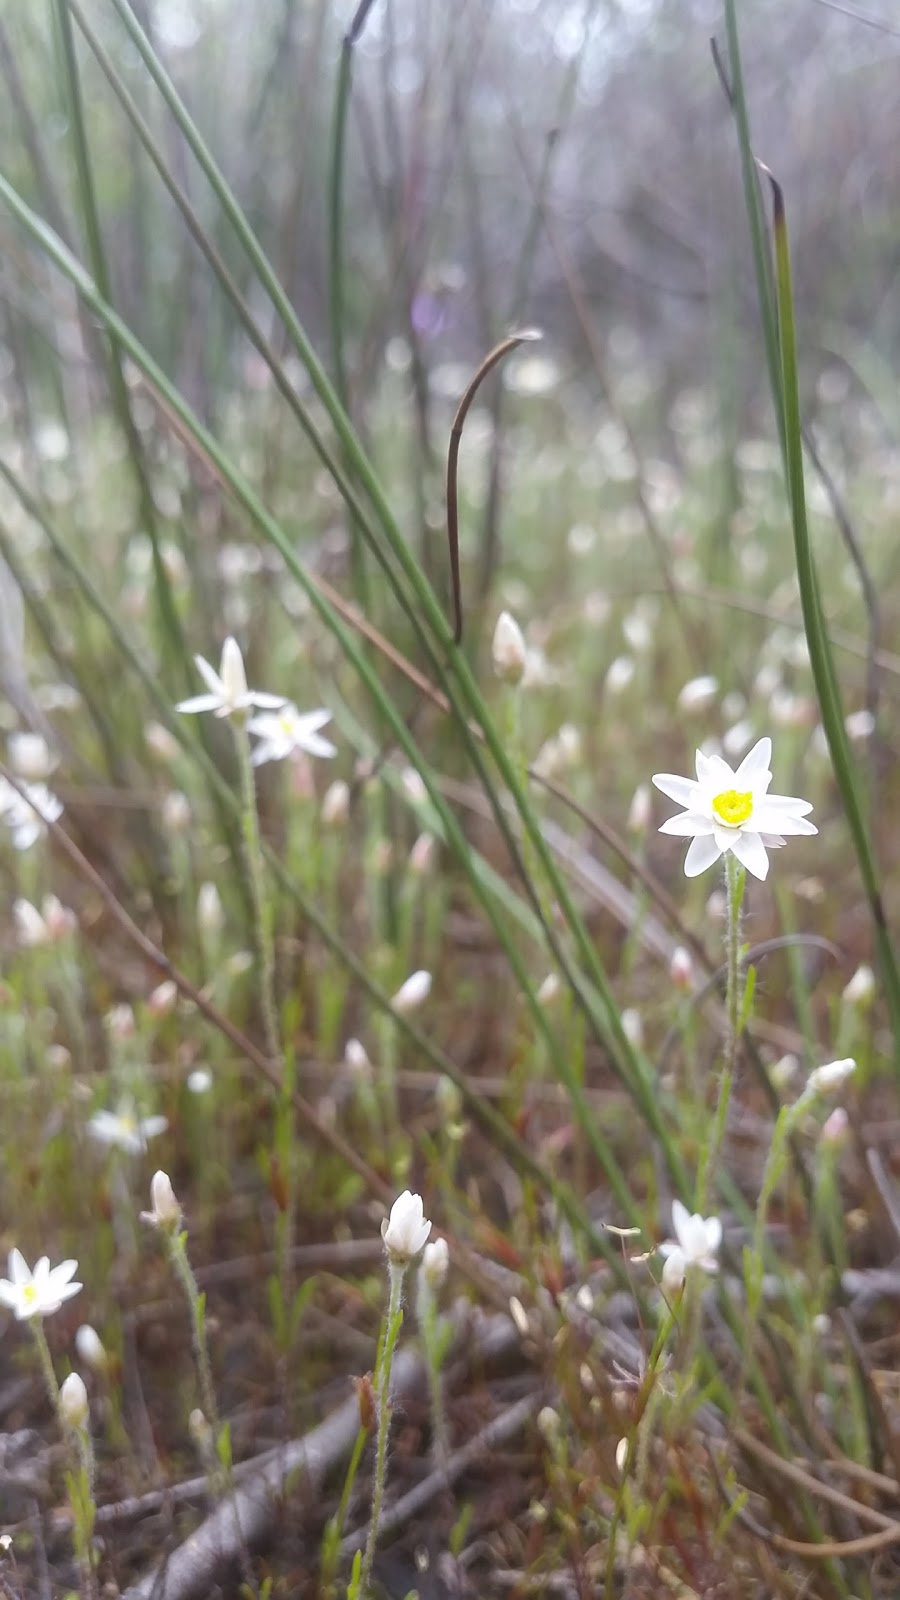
x: 681, y: 969
x: 336, y: 804
x: 861, y: 988
x: 413, y: 993
x: 90, y: 1348
x: 421, y: 855
x: 641, y: 809
x: 73, y: 1402
x: 435, y: 1263
x: 176, y: 812
x: 508, y: 650
x: 162, y: 999
x: 166, y: 1212
x: 210, y: 916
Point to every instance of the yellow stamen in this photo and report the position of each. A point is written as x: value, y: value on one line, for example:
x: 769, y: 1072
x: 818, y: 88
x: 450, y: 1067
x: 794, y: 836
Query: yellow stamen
x: 732, y: 808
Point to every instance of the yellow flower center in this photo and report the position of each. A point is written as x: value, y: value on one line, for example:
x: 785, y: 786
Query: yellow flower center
x: 29, y: 1294
x: 733, y: 808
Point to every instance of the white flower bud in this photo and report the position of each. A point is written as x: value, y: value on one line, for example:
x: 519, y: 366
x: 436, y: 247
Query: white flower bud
x: 90, y: 1348
x: 166, y: 1212
x: 508, y: 650
x: 824, y: 1080
x: 406, y: 1230
x: 160, y: 742
x: 421, y: 855
x: 697, y: 694
x: 30, y: 756
x: 633, y: 1027
x: 549, y: 991
x: 435, y: 1263
x: 681, y: 968
x: 641, y: 810
x: 357, y: 1062
x: 336, y: 804
x: 176, y: 812
x: 861, y: 988
x: 73, y: 1402
x: 413, y: 993
x: 162, y: 999
x: 119, y: 1021
x: 210, y: 915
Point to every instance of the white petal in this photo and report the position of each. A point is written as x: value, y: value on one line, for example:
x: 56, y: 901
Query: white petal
x: 769, y: 820
x: 680, y: 1220
x: 713, y: 770
x: 210, y: 677
x: 18, y: 1268
x: 687, y: 825
x: 315, y: 745
x: 713, y: 1234
x: 681, y: 790
x: 200, y: 702
x: 755, y: 761
x: 231, y: 670
x: 751, y: 853
x: 702, y: 853
x: 674, y: 1270
x: 787, y: 803
x: 266, y: 702
x: 9, y: 1294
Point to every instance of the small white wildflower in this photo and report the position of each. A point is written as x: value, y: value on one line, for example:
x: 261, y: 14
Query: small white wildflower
x: 549, y: 991
x: 38, y: 1293
x: 165, y: 1211
x: 124, y: 1130
x: 859, y: 725
x: 632, y: 1026
x: 200, y: 1081
x: 176, y: 813
x: 163, y: 998
x: 53, y: 923
x: 835, y: 1128
x: 726, y: 810
x: 508, y: 649
x: 228, y: 692
x: 697, y: 694
x: 119, y: 1022
x: 26, y: 814
x: 696, y: 1244
x: 421, y: 856
x: 619, y: 674
x: 356, y: 1060
x: 30, y: 756
x: 681, y: 968
x: 736, y: 739
x: 288, y: 732
x: 413, y: 993
x: 641, y: 809
x: 783, y: 1070
x: 824, y: 1080
x: 160, y: 742
x: 621, y: 1454
x: 406, y: 1230
x: 73, y: 1403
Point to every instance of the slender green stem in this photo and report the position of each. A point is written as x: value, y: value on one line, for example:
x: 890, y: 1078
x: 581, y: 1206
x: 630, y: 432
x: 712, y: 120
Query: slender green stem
x: 393, y: 1324
x: 263, y: 922
x: 80, y: 1480
x: 177, y: 1244
x: 734, y: 891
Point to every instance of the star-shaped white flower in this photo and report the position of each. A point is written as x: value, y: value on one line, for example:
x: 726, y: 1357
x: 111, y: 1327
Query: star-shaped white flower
x: 696, y: 1244
x: 228, y: 692
x: 726, y: 810
x: 284, y: 732
x: 124, y: 1130
x: 27, y: 814
x: 37, y: 1293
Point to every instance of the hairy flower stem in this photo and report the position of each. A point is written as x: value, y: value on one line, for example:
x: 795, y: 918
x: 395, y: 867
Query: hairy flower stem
x: 429, y: 1324
x: 80, y: 1481
x: 734, y: 894
x: 196, y: 1306
x: 262, y: 907
x: 392, y: 1325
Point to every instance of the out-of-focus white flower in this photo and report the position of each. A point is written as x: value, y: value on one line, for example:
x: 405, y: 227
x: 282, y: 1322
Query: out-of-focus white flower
x: 835, y: 1128
x: 737, y: 737
x: 681, y: 968
x: 406, y: 1230
x: 26, y: 815
x: 641, y: 809
x: 696, y: 1244
x: 119, y: 1022
x: 163, y: 998
x: 697, y: 694
x: 619, y: 674
x: 559, y: 753
x: 356, y: 1060
x: 421, y: 856
x: 621, y: 1454
x: 160, y: 742
x: 549, y: 991
x: 860, y: 991
x: 50, y: 925
x: 413, y: 993
x: 336, y: 804
x: 633, y: 1027
x: 165, y: 1211
x: 91, y: 1348
x: 210, y: 915
x: 859, y: 725
x: 289, y: 732
x: 176, y: 812
x: 824, y: 1080
x: 73, y: 1402
x: 124, y: 1130
x: 38, y: 1293
x: 726, y: 810
x: 414, y: 786
x: 228, y: 692
x: 435, y: 1263
x: 509, y: 652
x: 30, y: 756
x: 783, y: 1070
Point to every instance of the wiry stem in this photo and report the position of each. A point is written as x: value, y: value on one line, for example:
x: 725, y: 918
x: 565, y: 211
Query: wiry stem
x: 393, y: 1325
x: 734, y: 892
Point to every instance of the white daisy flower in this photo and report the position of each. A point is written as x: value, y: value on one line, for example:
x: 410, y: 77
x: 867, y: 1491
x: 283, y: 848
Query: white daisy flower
x: 38, y: 1293
x: 124, y: 1130
x: 228, y: 692
x: 287, y: 731
x: 696, y: 1244
x: 732, y: 810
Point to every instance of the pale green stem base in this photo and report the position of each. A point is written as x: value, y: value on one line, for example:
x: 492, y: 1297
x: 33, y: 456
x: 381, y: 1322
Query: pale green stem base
x: 393, y: 1323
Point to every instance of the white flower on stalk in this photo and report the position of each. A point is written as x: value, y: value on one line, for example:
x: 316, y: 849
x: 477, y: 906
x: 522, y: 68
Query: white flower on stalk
x: 413, y: 993
x: 435, y: 1263
x: 38, y: 1293
x: 288, y: 732
x: 861, y: 988
x: 509, y: 653
x: 824, y: 1080
x: 30, y: 756
x: 90, y: 1347
x: 732, y: 810
x: 73, y: 1403
x: 228, y: 692
x: 124, y: 1130
x: 47, y: 926
x: 697, y: 694
x: 406, y: 1230
x: 165, y: 1212
x: 26, y: 814
x: 696, y: 1244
